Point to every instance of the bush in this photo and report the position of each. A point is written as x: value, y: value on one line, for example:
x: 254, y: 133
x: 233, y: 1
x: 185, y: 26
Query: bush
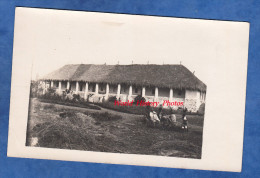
x: 139, y: 98
x: 48, y: 106
x: 112, y: 99
x: 89, y: 96
x: 35, y: 89
x: 67, y: 114
x: 50, y: 94
x: 51, y: 91
x: 126, y: 109
x: 57, y: 97
x: 72, y: 118
x: 70, y: 103
x: 103, y: 116
x: 76, y: 97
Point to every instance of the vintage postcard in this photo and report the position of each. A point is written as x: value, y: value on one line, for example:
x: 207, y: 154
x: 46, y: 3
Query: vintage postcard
x: 128, y: 89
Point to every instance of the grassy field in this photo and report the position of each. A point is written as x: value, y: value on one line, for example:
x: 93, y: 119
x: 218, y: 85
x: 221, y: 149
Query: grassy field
x: 68, y: 127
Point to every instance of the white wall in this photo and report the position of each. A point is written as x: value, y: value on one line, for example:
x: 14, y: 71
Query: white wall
x: 192, y: 100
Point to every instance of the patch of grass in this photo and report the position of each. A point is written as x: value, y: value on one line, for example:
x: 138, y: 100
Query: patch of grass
x: 69, y: 130
x: 72, y: 118
x: 196, y: 120
x: 48, y: 106
x: 193, y: 120
x: 62, y: 134
x: 71, y: 103
x: 78, y: 129
x: 103, y: 116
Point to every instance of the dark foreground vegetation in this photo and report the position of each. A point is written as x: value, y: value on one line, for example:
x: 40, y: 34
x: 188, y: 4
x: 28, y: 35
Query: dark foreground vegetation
x: 67, y: 127
x: 70, y: 103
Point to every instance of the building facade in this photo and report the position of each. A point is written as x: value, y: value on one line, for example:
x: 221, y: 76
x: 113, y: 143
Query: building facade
x: 127, y: 82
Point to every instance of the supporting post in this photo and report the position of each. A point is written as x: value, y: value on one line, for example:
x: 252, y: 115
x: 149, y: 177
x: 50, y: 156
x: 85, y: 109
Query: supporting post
x: 68, y: 85
x: 118, y: 91
x: 59, y: 87
x: 96, y: 91
x: 51, y: 84
x: 86, y: 91
x: 130, y: 92
x: 77, y: 87
x: 107, y: 92
x: 44, y: 87
x: 156, y: 93
x: 143, y: 92
x: 171, y: 94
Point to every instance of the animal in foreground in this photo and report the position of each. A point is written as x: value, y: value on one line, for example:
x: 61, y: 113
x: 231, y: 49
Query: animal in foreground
x: 169, y: 120
x: 154, y: 118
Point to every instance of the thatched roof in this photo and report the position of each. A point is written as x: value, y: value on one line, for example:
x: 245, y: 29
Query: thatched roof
x: 169, y: 76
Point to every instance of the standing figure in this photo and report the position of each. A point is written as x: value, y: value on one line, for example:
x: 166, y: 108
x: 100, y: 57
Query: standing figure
x: 160, y: 112
x: 185, y: 124
x: 147, y: 112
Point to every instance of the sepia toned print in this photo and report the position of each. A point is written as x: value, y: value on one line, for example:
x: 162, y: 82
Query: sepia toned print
x: 77, y: 107
x: 128, y: 89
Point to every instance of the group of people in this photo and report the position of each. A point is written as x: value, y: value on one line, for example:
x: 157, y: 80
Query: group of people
x: 161, y: 114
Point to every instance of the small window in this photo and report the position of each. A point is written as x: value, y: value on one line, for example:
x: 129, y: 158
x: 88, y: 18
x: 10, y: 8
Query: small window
x: 101, y: 88
x: 57, y: 84
x: 93, y: 88
x: 136, y: 90
x: 124, y: 89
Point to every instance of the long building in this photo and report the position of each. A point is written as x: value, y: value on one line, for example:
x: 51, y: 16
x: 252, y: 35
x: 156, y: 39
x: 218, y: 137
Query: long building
x: 153, y: 82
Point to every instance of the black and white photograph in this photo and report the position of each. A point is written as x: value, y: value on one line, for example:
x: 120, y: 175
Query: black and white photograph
x: 148, y: 102
x: 136, y: 108
x: 128, y: 89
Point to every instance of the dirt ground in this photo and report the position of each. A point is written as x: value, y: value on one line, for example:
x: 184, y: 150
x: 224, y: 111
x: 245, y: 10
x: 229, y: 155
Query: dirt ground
x: 128, y: 134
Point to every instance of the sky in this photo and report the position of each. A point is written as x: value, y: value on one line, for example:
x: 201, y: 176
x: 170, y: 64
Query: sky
x: 54, y: 38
